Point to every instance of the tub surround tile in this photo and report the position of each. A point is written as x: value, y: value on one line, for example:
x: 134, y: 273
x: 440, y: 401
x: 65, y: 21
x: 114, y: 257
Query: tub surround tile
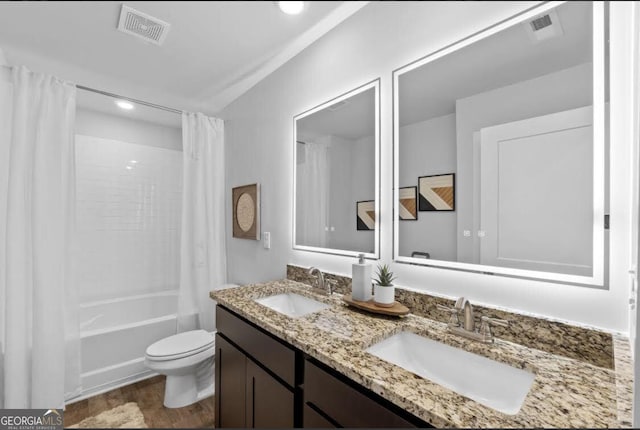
x: 567, y: 392
x: 588, y: 345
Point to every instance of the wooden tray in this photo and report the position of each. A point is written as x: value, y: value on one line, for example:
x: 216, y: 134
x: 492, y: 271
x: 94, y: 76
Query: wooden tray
x: 396, y: 310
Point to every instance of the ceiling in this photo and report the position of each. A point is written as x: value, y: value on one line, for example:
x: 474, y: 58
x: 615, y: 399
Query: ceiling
x: 502, y: 59
x: 214, y: 50
x: 352, y: 120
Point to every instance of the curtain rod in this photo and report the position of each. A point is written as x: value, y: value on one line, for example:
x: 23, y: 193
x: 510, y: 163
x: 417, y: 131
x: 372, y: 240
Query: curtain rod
x: 129, y: 99
x: 118, y: 96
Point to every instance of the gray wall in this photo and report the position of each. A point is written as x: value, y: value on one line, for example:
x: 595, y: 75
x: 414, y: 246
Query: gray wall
x: 428, y: 148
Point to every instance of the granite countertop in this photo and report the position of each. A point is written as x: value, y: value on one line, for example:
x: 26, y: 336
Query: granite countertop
x: 566, y: 392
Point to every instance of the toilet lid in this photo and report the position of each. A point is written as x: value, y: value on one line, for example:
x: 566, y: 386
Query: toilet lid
x: 181, y: 345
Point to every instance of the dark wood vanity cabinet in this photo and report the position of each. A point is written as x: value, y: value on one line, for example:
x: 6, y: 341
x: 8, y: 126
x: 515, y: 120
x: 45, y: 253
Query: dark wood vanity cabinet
x: 248, y: 393
x: 332, y: 400
x: 262, y: 381
x: 230, y: 408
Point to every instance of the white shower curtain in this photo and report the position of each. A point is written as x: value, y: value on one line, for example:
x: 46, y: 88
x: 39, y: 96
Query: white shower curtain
x: 38, y: 300
x: 203, y: 262
x: 313, y: 195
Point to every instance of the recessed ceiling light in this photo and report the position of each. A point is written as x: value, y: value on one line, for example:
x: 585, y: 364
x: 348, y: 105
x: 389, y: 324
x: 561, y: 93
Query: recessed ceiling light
x: 122, y: 104
x: 291, y: 7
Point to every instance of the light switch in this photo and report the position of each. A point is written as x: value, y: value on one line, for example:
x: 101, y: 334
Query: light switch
x: 266, y: 240
x: 466, y: 233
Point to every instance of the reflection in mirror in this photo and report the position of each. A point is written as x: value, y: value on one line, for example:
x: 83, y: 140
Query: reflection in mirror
x: 503, y: 134
x: 336, y: 193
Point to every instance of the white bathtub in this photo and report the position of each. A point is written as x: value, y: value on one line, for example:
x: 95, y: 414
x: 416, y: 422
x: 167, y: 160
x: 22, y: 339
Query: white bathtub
x: 115, y: 334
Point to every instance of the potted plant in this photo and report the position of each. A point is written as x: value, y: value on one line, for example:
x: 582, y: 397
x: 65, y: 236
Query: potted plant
x: 384, y: 293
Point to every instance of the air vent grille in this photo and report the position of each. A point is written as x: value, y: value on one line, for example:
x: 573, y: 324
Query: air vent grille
x: 540, y: 23
x: 141, y: 25
x: 544, y: 27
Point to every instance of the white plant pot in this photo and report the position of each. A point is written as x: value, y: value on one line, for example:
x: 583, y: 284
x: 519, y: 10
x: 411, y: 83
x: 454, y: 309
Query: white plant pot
x: 384, y: 296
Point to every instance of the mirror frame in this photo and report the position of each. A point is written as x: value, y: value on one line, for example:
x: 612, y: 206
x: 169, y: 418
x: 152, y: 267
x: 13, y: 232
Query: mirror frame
x: 375, y: 84
x: 597, y: 279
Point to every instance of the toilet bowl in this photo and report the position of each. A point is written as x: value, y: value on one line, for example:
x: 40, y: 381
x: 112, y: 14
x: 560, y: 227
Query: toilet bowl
x: 187, y: 360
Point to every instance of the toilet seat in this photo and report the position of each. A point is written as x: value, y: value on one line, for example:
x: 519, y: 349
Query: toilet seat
x: 181, y: 345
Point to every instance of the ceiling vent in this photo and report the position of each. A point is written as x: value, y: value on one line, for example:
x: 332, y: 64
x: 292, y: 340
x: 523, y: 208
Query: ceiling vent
x: 540, y: 23
x: 141, y: 25
x: 544, y: 27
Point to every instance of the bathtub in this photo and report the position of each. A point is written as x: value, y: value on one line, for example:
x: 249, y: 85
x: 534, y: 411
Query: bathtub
x: 114, y: 335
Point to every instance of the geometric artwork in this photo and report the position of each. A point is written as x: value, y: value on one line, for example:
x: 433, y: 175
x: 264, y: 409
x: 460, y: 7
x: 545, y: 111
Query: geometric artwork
x: 366, y: 215
x: 437, y: 192
x: 408, y: 203
x: 246, y: 212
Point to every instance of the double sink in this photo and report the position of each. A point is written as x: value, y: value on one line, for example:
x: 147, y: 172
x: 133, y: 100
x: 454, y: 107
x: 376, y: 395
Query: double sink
x: 489, y: 382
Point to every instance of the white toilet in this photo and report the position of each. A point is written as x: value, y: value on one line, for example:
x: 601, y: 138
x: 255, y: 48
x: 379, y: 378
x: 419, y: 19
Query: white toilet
x: 187, y: 359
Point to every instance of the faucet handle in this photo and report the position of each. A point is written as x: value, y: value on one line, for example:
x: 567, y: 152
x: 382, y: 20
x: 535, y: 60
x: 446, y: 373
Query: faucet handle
x: 446, y: 309
x: 494, y: 321
x: 332, y: 284
x: 485, y: 328
x: 453, y: 319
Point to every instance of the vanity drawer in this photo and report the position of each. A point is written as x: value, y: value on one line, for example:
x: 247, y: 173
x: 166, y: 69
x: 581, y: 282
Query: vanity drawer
x: 340, y: 402
x: 261, y: 346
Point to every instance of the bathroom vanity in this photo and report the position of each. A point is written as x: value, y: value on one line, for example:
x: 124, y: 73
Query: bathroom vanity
x: 314, y: 371
x: 265, y: 382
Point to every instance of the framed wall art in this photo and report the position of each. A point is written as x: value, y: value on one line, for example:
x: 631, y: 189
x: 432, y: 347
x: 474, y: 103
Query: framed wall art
x: 246, y: 212
x: 437, y: 192
x: 366, y: 215
x: 408, y: 197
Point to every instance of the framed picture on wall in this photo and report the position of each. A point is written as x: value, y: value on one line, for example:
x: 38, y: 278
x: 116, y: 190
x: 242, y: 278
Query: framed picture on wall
x: 366, y: 215
x: 246, y: 212
x: 436, y: 193
x: 408, y: 197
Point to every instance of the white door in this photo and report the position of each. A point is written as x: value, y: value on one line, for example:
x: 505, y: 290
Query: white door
x: 537, y: 193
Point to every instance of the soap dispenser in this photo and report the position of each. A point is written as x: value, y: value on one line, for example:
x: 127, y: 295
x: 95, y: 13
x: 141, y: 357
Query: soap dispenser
x: 361, y: 280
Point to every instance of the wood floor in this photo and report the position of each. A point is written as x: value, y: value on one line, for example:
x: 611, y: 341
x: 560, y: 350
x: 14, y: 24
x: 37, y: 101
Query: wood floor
x: 148, y: 394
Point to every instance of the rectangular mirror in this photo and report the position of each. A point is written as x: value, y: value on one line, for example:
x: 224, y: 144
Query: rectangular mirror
x: 503, y: 136
x: 336, y: 175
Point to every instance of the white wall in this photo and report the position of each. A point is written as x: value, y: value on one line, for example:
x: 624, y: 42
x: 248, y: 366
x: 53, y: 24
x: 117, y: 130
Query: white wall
x: 99, y: 124
x: 362, y: 187
x: 428, y: 148
x: 351, y: 179
x: 378, y: 39
x: 634, y: 315
x: 340, y: 155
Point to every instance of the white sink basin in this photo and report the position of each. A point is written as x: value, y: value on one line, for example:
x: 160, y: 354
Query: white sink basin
x: 292, y: 305
x: 491, y: 383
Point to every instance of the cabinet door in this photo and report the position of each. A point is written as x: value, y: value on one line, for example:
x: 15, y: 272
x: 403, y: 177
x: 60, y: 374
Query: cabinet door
x: 269, y: 403
x: 230, y: 385
x: 345, y: 403
x: 313, y: 419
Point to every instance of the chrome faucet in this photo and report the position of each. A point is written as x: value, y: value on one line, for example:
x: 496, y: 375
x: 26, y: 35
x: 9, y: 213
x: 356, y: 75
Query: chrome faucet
x: 326, y: 285
x: 467, y: 327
